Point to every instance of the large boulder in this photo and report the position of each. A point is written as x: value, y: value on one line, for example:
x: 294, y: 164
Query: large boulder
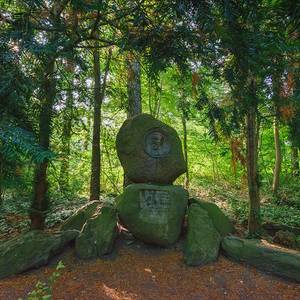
x: 203, y: 240
x: 152, y: 213
x: 78, y: 219
x: 264, y: 256
x: 31, y: 250
x: 150, y: 151
x: 98, y: 234
x: 219, y: 219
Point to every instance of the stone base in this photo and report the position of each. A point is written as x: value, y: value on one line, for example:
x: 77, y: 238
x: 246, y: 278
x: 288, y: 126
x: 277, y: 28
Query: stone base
x: 152, y: 213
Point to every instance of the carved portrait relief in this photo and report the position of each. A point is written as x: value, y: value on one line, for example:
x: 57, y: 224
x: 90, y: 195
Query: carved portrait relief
x: 157, y: 144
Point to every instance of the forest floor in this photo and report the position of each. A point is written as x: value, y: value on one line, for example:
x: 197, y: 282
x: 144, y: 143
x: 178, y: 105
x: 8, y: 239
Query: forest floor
x: 139, y: 271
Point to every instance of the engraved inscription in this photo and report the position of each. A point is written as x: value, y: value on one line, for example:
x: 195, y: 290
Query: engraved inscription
x: 154, y: 202
x: 157, y: 144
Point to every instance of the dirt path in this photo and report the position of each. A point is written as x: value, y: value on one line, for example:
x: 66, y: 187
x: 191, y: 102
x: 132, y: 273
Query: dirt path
x: 141, y: 272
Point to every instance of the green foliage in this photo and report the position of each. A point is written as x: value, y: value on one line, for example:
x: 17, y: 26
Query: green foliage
x: 16, y: 143
x: 44, y: 291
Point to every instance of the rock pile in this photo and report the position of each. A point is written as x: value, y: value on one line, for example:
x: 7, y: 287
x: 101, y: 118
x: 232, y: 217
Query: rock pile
x: 152, y: 208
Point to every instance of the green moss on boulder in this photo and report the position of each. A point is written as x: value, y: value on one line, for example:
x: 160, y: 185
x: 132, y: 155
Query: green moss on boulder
x: 150, y: 151
x: 285, y: 238
x: 78, y: 219
x: 264, y: 256
x: 203, y: 240
x: 31, y: 250
x: 153, y: 213
x: 98, y: 234
x: 219, y: 219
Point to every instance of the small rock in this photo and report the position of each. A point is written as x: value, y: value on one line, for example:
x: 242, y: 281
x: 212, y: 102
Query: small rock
x: 285, y: 238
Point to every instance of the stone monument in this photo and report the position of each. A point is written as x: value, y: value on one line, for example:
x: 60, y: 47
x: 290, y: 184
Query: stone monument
x: 152, y: 208
x: 150, y: 152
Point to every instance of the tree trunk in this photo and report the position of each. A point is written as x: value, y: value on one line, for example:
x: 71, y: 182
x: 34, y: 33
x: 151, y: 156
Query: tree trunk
x: 252, y: 171
x: 40, y: 200
x: 66, y: 137
x: 134, y: 106
x: 278, y: 159
x: 187, y: 178
x: 96, y: 168
x: 134, y: 87
x: 1, y: 180
x: 99, y: 94
x: 87, y: 127
x: 295, y: 160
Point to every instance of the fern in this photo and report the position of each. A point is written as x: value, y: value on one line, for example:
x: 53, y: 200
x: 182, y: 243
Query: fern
x: 17, y: 143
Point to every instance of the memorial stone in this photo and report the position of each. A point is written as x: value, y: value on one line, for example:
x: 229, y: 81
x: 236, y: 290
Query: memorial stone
x: 150, y: 151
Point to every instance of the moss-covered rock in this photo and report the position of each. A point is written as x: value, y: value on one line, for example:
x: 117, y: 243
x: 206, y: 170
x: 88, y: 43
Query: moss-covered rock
x: 203, y: 240
x: 150, y: 151
x: 285, y: 238
x: 31, y: 250
x: 78, y: 219
x: 98, y: 234
x: 152, y: 213
x: 264, y: 256
x: 219, y: 219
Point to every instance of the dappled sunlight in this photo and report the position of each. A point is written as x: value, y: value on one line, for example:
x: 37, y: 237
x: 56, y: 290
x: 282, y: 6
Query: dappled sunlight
x: 115, y: 294
x: 149, y: 273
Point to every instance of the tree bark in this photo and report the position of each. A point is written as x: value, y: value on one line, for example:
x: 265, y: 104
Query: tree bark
x: 134, y: 87
x: 278, y: 158
x: 66, y: 137
x: 185, y: 152
x: 96, y: 168
x: 295, y: 160
x: 1, y: 180
x: 134, y: 104
x: 40, y: 200
x: 99, y: 94
x: 254, y: 221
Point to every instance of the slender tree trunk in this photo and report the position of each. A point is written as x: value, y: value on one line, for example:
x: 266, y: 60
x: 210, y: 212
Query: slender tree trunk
x: 134, y: 87
x: 1, y: 180
x: 40, y: 200
x: 134, y: 106
x: 96, y: 168
x: 185, y: 150
x: 87, y: 127
x: 99, y: 94
x: 66, y: 137
x: 252, y: 171
x: 295, y: 160
x: 154, y: 98
x: 278, y: 158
